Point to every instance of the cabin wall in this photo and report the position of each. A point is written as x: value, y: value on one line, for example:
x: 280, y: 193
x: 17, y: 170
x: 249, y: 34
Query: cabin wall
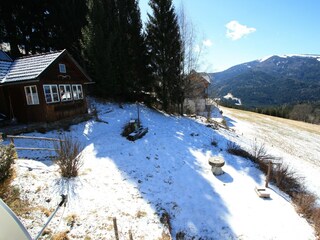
x: 60, y: 110
x: 3, y: 102
x: 16, y: 102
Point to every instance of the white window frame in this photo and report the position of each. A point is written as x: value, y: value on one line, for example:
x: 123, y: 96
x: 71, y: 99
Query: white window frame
x: 64, y: 91
x: 62, y: 68
x: 32, y: 97
x: 76, y: 90
x: 52, y: 93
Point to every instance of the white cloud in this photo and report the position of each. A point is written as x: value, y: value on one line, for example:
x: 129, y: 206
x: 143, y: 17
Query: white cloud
x: 236, y: 31
x: 207, y: 43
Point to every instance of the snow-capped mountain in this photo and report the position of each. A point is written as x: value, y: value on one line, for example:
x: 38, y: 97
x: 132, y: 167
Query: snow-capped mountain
x: 272, y: 80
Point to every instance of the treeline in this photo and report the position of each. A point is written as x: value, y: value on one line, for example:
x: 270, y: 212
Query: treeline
x: 305, y: 112
x: 126, y: 61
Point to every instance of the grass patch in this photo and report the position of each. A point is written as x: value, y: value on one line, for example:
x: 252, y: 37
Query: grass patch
x: 61, y: 236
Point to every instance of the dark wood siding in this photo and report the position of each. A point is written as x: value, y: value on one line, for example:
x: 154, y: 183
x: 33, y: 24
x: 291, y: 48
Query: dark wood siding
x: 60, y: 110
x: 20, y: 109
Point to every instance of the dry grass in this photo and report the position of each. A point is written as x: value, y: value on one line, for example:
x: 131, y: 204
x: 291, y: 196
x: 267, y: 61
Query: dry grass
x: 61, y: 236
x: 11, y: 196
x: 71, y: 220
x: 141, y: 214
x: 305, y: 204
x: 68, y: 152
x: 287, y: 180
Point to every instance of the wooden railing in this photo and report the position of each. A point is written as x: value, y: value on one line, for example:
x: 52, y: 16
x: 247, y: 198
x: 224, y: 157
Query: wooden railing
x: 12, y: 137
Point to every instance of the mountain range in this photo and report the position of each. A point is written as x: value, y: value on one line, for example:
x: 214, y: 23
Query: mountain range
x: 271, y: 81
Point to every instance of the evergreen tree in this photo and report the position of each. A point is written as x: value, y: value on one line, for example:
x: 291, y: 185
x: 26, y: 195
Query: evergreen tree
x: 132, y: 50
x: 100, y: 46
x: 39, y: 26
x: 164, y: 49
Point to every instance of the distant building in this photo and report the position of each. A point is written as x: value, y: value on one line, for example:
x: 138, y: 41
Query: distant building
x: 196, y: 92
x: 43, y: 87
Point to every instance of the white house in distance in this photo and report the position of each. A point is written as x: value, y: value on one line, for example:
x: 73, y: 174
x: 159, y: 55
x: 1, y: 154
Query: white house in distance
x: 196, y: 93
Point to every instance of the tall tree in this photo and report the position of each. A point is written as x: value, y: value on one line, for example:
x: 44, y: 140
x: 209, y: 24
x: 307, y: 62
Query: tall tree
x: 35, y: 26
x: 132, y: 51
x: 100, y: 46
x: 164, y: 48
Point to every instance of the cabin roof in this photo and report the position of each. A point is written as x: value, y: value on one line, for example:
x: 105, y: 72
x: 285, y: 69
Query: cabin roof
x: 26, y: 68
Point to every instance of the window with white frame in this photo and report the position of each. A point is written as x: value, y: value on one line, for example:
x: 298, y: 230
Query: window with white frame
x: 65, y: 92
x: 31, y: 95
x: 51, y: 93
x: 77, y: 91
x: 62, y: 68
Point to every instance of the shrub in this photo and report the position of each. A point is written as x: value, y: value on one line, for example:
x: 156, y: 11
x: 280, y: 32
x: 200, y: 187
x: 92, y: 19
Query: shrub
x: 129, y: 128
x: 7, y: 156
x: 214, y: 142
x: 316, y: 219
x: 68, y: 158
x: 305, y: 203
x: 287, y: 180
x: 235, y: 149
x: 165, y: 220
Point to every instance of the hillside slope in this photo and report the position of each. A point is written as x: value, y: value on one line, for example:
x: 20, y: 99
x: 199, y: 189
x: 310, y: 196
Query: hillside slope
x: 275, y: 80
x: 166, y: 171
x: 298, y: 143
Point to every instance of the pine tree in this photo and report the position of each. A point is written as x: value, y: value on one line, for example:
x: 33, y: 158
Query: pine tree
x: 100, y: 46
x: 132, y: 50
x: 164, y: 47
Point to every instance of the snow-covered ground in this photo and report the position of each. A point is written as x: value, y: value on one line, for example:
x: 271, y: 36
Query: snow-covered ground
x: 297, y: 143
x: 166, y: 170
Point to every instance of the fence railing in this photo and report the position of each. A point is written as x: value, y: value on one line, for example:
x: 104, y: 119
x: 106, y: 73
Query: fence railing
x: 12, y: 137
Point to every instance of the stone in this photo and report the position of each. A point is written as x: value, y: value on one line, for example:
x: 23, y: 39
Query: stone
x: 216, y: 164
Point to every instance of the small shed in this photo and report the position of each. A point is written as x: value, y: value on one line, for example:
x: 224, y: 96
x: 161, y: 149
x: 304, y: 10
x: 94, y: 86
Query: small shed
x: 43, y: 87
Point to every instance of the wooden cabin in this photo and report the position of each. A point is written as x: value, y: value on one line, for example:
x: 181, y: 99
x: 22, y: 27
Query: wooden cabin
x: 42, y: 88
x: 196, y: 92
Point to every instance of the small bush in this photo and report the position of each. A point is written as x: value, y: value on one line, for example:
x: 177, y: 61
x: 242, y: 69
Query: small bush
x: 287, y: 180
x: 129, y: 128
x: 305, y: 203
x: 7, y: 156
x: 235, y: 149
x: 165, y: 220
x: 214, y: 142
x: 316, y: 219
x: 68, y: 152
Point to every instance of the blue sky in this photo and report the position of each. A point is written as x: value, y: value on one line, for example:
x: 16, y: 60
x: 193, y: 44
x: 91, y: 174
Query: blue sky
x: 237, y: 31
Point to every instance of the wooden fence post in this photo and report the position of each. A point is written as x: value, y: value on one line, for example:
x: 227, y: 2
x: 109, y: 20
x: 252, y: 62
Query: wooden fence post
x: 268, y: 174
x: 130, y: 235
x: 115, y: 228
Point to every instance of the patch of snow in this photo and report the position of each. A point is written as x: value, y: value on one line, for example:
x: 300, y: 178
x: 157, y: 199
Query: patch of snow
x: 230, y: 96
x: 291, y: 55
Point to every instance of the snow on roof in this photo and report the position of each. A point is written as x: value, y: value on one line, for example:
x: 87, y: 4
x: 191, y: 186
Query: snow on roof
x: 26, y: 68
x: 4, y: 68
x: 206, y: 77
